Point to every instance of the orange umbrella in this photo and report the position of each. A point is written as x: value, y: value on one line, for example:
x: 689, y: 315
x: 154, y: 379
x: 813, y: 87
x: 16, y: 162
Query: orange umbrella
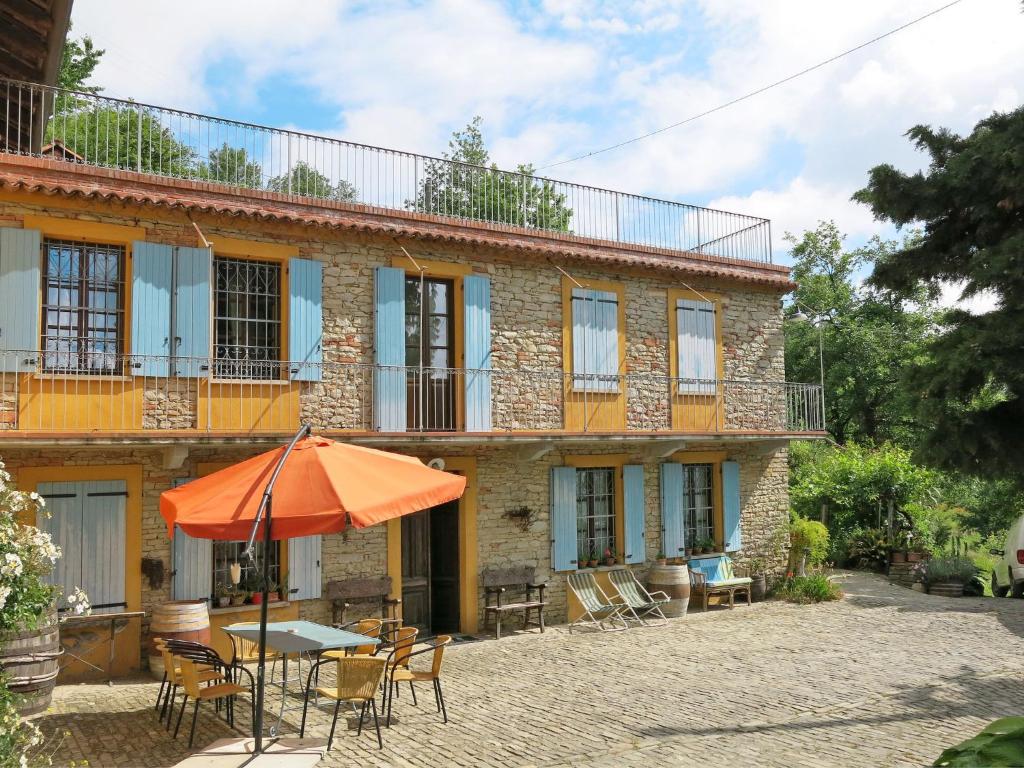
x: 321, y: 484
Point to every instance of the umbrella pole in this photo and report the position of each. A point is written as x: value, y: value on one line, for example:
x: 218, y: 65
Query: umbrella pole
x: 261, y: 670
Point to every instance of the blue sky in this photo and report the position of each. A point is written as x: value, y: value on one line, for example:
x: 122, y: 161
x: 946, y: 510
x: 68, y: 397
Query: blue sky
x: 554, y: 78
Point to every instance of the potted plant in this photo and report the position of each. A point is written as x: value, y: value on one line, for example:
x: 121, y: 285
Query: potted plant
x: 706, y: 545
x: 238, y: 597
x: 609, y: 558
x: 758, y: 581
x: 592, y: 560
x: 947, y: 576
x: 917, y: 553
x: 688, y: 551
x: 223, y: 595
x: 660, y: 559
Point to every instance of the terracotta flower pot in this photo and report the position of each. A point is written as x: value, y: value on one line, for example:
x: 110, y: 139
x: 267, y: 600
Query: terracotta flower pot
x: 257, y: 598
x: 609, y: 561
x: 592, y: 564
x: 913, y: 557
x: 898, y: 557
x: 662, y: 561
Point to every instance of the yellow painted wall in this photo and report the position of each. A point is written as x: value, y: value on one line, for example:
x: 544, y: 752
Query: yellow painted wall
x: 127, y: 643
x: 593, y: 411
x: 248, y: 406
x: 59, y: 403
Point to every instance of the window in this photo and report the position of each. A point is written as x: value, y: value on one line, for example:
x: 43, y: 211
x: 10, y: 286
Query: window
x: 595, y: 511
x: 430, y: 342
x: 227, y: 552
x: 595, y: 340
x: 83, y: 307
x: 697, y: 347
x: 247, y: 318
x: 698, y: 503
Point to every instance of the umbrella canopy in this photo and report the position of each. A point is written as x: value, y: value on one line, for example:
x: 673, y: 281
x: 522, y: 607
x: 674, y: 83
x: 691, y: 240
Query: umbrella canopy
x: 321, y: 484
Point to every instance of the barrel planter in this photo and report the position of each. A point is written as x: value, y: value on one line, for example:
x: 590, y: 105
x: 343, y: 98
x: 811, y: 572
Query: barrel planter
x: 947, y: 589
x: 178, y: 620
x: 758, y: 587
x: 674, y: 581
x: 29, y: 659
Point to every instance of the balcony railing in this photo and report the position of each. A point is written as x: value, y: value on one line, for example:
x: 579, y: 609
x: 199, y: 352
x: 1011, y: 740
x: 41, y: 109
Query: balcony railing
x: 144, y: 395
x: 113, y: 133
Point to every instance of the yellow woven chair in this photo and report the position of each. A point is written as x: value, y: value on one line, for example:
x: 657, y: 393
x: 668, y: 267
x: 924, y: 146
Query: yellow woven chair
x: 369, y: 627
x: 173, y: 680
x: 404, y: 673
x: 357, y: 680
x: 190, y: 678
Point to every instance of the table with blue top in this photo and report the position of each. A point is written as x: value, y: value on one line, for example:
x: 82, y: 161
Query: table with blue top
x: 298, y: 637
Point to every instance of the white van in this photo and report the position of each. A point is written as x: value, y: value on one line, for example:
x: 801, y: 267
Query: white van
x: 1008, y: 572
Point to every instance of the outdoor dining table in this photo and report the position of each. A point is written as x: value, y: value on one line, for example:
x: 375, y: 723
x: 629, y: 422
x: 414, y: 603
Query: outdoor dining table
x: 297, y: 637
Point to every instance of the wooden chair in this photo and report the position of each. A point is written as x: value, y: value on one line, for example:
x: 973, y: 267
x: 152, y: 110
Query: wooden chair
x: 190, y: 681
x: 641, y: 602
x: 358, y: 678
x: 716, y: 576
x: 496, y: 582
x: 400, y: 674
x: 374, y: 590
x: 208, y: 673
x: 369, y: 627
x: 599, y: 610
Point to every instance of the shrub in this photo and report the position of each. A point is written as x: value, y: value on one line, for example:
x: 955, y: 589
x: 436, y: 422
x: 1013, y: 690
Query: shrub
x: 21, y: 743
x: 868, y: 549
x: 815, y: 588
x: 808, y: 534
x: 955, y: 569
x: 1001, y: 743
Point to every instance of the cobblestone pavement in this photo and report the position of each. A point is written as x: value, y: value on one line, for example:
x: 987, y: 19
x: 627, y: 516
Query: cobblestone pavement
x: 885, y: 677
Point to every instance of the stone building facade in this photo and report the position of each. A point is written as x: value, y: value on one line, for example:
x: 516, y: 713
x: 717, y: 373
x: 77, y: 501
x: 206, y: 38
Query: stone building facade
x: 165, y: 429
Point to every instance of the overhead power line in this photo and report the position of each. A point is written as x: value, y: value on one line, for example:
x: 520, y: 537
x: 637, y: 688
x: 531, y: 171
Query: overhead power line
x: 755, y: 92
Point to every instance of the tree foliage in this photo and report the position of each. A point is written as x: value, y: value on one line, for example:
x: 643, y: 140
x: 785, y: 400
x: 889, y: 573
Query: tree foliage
x: 78, y: 62
x: 231, y: 165
x: 970, y: 201
x: 304, y: 179
x: 868, y: 335
x: 467, y: 184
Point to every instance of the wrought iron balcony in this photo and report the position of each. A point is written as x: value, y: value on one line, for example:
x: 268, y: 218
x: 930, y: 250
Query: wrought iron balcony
x: 99, y: 393
x: 93, y: 130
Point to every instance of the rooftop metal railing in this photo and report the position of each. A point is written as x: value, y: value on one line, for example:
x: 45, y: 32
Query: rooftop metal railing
x: 115, y: 133
x: 160, y: 396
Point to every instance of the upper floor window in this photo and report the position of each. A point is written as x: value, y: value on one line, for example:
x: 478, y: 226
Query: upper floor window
x: 83, y: 307
x: 595, y: 512
x: 697, y: 346
x: 595, y: 340
x: 430, y: 353
x: 247, y: 318
x: 698, y: 503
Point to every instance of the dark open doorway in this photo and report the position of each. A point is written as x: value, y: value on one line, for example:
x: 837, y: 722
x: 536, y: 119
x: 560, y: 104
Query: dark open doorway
x: 430, y: 569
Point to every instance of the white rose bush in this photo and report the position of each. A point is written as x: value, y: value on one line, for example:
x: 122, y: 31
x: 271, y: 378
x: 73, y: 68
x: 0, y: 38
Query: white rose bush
x: 27, y: 557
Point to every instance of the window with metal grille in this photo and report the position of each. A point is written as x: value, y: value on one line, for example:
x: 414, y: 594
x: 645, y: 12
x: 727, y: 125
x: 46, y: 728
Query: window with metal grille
x: 247, y: 318
x: 225, y: 553
x: 595, y: 512
x: 698, y: 503
x: 83, y: 307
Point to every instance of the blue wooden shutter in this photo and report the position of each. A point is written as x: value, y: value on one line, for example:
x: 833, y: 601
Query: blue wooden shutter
x: 152, y: 277
x: 103, y: 544
x: 193, y: 302
x: 563, y: 518
x: 305, y: 319
x: 64, y: 524
x: 389, y: 390
x: 696, y: 346
x: 731, y: 505
x: 477, y: 292
x: 192, y: 564
x: 673, y: 535
x: 595, y: 340
x: 304, y: 579
x: 633, y: 497
x: 20, y: 257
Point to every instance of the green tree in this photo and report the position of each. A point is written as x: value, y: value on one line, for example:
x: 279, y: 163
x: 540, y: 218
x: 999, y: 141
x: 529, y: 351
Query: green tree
x: 467, y: 184
x: 231, y: 165
x: 78, y: 62
x: 304, y: 179
x: 970, y: 201
x: 868, y: 337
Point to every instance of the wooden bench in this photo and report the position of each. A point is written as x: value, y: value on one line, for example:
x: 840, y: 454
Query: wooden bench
x: 497, y: 582
x: 716, y: 576
x: 374, y: 590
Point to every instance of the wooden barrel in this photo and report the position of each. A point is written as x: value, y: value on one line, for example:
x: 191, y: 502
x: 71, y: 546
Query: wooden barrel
x: 29, y: 659
x: 178, y: 620
x: 947, y: 589
x: 674, y: 581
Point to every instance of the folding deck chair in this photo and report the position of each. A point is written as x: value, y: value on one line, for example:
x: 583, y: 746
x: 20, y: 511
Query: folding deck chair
x: 598, y: 608
x: 641, y: 603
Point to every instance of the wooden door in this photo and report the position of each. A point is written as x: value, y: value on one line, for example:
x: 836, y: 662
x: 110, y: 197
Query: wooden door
x: 444, y: 573
x: 416, y: 570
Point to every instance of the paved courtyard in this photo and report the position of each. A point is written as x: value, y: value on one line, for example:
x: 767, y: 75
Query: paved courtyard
x: 885, y: 677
